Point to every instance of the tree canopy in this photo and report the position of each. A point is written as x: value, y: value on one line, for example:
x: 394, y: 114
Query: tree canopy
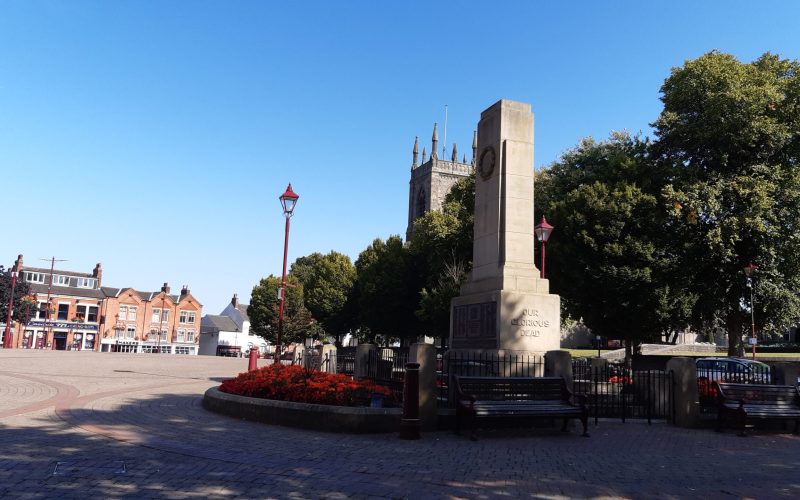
x: 612, y: 262
x: 22, y: 308
x: 442, y: 247
x: 730, y: 134
x: 388, y: 291
x: 264, y: 307
x: 327, y: 287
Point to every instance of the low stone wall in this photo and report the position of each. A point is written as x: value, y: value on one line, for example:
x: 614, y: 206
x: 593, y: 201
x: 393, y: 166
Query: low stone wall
x: 347, y: 419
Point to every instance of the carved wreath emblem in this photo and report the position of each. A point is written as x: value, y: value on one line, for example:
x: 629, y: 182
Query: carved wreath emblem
x: 486, y: 162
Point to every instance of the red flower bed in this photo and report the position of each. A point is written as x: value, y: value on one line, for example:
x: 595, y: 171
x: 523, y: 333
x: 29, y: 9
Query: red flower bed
x: 620, y: 379
x: 301, y: 385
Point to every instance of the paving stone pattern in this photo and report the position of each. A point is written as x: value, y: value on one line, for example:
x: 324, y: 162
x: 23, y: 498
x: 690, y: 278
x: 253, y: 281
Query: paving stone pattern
x: 104, y: 425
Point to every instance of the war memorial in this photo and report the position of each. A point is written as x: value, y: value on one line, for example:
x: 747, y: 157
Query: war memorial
x: 504, y: 305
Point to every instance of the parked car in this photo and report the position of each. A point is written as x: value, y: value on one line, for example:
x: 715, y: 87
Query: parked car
x: 738, y: 370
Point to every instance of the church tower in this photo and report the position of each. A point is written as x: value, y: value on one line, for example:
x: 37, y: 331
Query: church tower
x: 432, y: 179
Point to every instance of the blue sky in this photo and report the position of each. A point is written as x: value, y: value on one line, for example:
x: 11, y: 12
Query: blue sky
x: 156, y: 136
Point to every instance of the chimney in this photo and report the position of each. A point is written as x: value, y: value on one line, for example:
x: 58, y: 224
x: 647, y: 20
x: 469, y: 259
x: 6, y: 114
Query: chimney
x: 165, y: 288
x: 98, y: 273
x: 184, y: 291
x: 18, y: 263
x: 235, y: 300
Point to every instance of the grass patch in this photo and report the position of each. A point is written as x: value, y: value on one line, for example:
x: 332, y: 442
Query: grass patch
x: 584, y: 353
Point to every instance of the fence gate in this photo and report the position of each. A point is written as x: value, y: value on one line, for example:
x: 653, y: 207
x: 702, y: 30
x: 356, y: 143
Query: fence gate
x: 617, y: 391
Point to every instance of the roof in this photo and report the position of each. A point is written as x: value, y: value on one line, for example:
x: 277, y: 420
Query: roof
x: 212, y: 322
x: 242, y: 308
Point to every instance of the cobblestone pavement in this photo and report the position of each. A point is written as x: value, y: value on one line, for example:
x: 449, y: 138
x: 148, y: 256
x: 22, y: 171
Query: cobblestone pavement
x: 102, y: 425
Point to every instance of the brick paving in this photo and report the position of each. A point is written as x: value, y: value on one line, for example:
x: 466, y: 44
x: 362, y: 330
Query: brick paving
x: 100, y: 425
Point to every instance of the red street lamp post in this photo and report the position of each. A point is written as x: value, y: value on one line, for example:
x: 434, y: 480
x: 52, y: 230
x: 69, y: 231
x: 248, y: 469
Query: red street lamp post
x: 748, y: 271
x: 7, y: 335
x: 288, y: 202
x: 543, y: 231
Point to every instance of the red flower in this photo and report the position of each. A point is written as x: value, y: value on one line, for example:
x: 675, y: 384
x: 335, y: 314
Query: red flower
x: 295, y: 383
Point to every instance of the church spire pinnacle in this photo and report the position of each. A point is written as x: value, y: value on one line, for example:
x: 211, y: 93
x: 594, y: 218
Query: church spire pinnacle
x: 454, y: 157
x: 424, y: 156
x: 415, y: 152
x: 474, y: 146
x: 435, y: 140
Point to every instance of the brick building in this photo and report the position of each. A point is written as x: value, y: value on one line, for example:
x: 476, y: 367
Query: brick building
x: 84, y: 315
x: 74, y: 301
x: 151, y: 321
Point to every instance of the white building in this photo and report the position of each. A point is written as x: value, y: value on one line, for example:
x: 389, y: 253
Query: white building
x: 228, y: 334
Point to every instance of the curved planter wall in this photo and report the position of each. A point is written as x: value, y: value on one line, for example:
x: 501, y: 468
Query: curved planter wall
x: 305, y: 415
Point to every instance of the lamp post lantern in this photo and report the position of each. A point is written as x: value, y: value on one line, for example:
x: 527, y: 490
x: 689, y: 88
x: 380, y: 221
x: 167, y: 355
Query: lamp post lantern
x: 288, y: 202
x: 543, y: 231
x: 749, y: 269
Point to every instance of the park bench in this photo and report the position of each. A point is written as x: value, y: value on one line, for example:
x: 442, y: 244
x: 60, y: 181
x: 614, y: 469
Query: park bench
x: 745, y: 402
x: 516, y: 397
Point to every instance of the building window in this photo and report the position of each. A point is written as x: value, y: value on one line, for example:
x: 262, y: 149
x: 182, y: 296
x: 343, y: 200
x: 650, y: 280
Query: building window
x: 34, y: 277
x: 421, y: 203
x: 86, y: 313
x: 120, y: 334
x: 42, y: 313
x: 86, y: 282
x: 163, y: 335
x: 187, y: 317
x: 63, y: 312
x: 127, y: 313
x: 160, y: 315
x: 181, y: 335
x: 189, y: 335
x: 131, y: 332
x: 61, y: 280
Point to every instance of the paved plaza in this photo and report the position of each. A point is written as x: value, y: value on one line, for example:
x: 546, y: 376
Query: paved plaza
x: 103, y: 425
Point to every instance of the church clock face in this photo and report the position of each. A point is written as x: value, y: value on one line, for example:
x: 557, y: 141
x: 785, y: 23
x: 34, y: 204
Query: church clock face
x: 486, y: 163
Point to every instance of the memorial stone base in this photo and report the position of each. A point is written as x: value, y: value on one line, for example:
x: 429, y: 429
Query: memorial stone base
x: 511, y: 322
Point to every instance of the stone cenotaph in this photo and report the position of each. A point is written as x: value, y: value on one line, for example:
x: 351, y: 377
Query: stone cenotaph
x: 504, y: 305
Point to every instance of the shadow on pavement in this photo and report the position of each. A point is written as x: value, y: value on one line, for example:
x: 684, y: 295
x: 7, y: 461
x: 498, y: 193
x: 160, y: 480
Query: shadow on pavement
x: 168, y: 446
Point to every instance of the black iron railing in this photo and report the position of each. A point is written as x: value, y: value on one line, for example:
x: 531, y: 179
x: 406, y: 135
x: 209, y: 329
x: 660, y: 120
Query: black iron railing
x: 452, y: 363
x: 615, y: 390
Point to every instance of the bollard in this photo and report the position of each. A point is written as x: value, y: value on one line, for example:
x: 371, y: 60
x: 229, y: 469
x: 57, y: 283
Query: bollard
x: 253, y: 361
x: 410, y: 424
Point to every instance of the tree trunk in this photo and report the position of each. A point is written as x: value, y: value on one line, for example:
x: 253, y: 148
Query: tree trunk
x: 734, y: 324
x: 628, y: 351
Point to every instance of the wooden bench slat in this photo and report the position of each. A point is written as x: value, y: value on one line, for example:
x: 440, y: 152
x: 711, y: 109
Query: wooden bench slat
x: 513, y: 397
x: 752, y: 401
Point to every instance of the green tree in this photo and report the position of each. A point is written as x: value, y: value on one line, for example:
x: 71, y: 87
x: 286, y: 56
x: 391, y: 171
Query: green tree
x: 442, y: 247
x: 264, y: 307
x: 730, y: 133
x: 611, y: 259
x: 327, y: 283
x: 21, y: 308
x: 388, y: 291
